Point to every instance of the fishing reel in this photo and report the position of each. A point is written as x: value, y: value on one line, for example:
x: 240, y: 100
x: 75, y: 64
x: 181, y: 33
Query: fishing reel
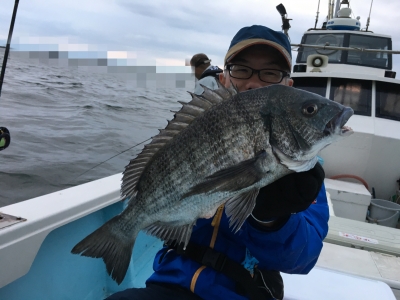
x: 5, y: 138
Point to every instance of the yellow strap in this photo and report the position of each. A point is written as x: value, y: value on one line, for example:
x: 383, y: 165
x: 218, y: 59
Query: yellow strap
x: 215, y: 223
x: 194, y: 278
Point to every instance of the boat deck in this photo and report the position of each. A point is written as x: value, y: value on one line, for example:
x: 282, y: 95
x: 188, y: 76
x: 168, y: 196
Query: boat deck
x: 372, y: 265
x: 360, y: 248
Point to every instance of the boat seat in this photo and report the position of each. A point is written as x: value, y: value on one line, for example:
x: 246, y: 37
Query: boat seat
x: 362, y: 235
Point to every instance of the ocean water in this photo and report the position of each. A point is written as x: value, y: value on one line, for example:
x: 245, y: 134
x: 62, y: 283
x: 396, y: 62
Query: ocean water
x: 64, y: 121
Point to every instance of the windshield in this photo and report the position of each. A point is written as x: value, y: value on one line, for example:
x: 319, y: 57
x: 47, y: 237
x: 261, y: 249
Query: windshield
x: 379, y: 60
x: 335, y: 40
x: 352, y: 40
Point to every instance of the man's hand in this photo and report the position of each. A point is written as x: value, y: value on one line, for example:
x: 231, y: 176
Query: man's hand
x: 290, y: 194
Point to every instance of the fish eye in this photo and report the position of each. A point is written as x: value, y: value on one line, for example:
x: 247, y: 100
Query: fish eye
x: 310, y: 110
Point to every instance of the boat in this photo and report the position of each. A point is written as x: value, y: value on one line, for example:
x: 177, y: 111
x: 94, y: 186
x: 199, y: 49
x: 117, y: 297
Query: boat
x: 37, y: 235
x: 37, y: 264
x: 354, y: 67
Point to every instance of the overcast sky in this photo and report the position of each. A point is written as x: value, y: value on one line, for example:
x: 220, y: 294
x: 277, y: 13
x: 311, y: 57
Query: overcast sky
x: 168, y: 32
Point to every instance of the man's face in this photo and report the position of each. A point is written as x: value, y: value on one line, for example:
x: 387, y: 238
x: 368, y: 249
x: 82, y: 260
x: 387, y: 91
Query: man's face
x: 256, y: 57
x: 198, y: 71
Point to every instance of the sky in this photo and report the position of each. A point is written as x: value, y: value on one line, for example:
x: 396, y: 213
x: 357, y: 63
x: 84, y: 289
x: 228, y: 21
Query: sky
x: 157, y: 32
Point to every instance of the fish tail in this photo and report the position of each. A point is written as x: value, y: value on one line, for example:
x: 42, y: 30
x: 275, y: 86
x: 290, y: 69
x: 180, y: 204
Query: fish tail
x: 110, y: 244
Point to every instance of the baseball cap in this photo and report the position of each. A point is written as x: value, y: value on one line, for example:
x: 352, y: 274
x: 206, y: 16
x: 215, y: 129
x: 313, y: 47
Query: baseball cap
x: 199, y: 59
x: 258, y: 34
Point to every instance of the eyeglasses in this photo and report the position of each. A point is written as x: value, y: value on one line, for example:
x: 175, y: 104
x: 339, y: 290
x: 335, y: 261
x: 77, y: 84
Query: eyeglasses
x: 265, y: 75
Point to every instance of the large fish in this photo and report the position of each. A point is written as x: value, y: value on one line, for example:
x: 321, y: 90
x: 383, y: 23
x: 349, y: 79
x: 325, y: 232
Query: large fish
x: 221, y: 147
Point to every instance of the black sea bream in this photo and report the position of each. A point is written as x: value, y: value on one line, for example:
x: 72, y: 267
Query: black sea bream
x: 221, y: 147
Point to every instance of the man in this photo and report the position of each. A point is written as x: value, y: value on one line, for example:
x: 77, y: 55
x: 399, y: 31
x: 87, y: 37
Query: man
x: 205, y: 73
x: 284, y: 233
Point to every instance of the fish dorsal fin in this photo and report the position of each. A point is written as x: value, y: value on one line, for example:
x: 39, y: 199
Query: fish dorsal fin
x: 182, y: 118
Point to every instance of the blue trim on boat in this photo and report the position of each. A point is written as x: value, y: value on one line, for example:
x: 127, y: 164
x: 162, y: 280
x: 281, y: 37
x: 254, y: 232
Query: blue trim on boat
x: 342, y: 27
x: 58, y: 274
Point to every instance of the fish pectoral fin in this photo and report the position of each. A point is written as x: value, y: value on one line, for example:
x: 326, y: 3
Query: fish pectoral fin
x: 239, y: 207
x: 234, y: 178
x: 171, y: 232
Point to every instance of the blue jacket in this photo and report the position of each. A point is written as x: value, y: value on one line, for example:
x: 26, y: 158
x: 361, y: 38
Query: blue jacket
x: 292, y: 249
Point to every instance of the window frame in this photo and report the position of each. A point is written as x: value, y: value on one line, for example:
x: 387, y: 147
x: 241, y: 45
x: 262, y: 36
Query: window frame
x: 383, y: 88
x: 344, y: 54
x: 367, y: 113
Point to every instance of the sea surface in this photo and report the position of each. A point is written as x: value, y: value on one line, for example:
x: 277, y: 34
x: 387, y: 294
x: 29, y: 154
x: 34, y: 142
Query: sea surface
x: 64, y: 121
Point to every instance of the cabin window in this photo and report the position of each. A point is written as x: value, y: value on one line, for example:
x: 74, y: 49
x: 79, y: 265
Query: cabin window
x: 388, y: 100
x: 353, y: 93
x: 311, y: 84
x: 369, y: 59
x: 354, y: 40
x: 334, y: 40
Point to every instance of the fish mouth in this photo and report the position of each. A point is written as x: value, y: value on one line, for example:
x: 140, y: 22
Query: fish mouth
x: 336, y: 124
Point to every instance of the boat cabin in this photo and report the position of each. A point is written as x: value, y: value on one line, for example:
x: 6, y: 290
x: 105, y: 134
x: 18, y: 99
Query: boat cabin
x: 354, y: 67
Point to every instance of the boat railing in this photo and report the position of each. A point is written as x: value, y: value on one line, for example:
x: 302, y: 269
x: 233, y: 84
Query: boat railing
x: 327, y: 47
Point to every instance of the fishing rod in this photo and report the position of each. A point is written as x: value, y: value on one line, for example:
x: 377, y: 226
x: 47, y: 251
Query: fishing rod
x: 3, y: 67
x: 5, y: 138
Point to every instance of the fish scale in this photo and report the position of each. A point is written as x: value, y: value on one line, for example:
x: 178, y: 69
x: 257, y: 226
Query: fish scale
x: 221, y: 147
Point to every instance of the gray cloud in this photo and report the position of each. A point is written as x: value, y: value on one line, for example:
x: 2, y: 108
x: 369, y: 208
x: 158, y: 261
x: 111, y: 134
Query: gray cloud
x: 186, y: 16
x: 174, y: 29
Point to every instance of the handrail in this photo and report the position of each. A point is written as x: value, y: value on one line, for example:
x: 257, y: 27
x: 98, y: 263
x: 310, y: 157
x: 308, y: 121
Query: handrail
x: 345, y: 48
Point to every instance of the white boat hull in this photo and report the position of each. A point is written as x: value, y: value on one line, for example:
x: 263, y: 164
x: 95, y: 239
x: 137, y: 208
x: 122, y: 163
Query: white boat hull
x: 372, y: 153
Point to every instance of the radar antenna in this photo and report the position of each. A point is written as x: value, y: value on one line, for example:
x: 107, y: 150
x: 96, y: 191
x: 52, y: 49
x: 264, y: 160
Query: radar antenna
x: 285, y: 21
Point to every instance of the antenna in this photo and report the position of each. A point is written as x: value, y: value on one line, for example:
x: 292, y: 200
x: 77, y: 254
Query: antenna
x: 316, y: 18
x: 330, y: 9
x: 337, y: 7
x: 369, y: 15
